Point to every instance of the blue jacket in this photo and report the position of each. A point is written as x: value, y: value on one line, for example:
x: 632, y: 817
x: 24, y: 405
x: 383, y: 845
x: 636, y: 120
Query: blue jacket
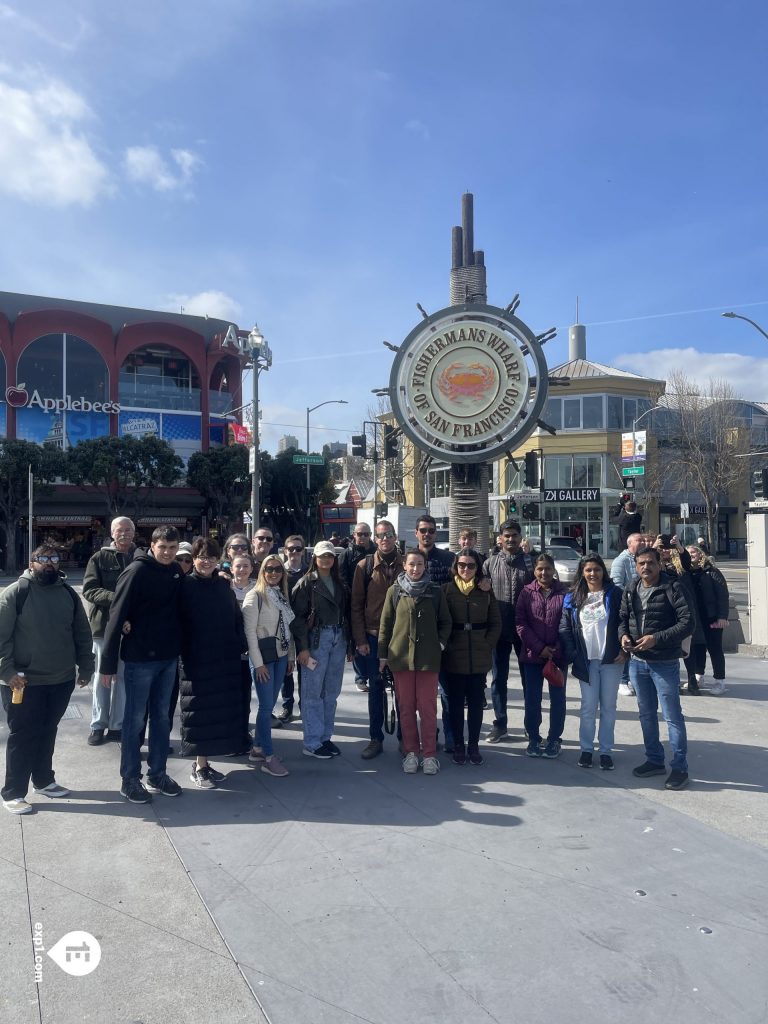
x: 572, y: 637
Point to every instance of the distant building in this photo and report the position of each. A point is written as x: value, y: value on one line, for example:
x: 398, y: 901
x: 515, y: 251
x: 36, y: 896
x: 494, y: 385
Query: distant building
x: 287, y: 441
x: 337, y: 449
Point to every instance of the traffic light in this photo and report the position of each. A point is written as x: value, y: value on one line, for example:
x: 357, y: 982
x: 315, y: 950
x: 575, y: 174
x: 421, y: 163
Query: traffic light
x: 532, y: 471
x: 512, y: 505
x: 760, y: 483
x: 390, y: 442
x: 359, y: 446
x: 531, y: 510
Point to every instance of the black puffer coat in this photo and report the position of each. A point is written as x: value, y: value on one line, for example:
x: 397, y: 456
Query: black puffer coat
x: 669, y: 617
x: 211, y: 688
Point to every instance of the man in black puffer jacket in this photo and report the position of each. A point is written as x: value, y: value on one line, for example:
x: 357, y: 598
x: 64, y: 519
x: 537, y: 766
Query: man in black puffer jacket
x: 146, y: 598
x: 654, y: 619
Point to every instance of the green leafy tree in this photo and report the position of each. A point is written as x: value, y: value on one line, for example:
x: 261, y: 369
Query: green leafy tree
x: 284, y: 492
x: 221, y: 476
x: 127, y: 469
x: 47, y: 462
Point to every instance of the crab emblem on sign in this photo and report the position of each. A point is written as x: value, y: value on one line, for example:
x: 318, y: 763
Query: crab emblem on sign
x: 461, y: 381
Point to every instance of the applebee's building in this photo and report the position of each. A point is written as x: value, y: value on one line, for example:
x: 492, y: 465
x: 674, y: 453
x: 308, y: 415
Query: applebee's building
x: 76, y: 370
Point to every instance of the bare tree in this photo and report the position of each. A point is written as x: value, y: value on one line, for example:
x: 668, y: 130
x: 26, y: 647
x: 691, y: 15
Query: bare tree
x: 704, y: 432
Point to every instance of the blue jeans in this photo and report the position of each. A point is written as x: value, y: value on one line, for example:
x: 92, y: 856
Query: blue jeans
x: 321, y: 686
x: 533, y: 677
x: 601, y: 691
x: 148, y: 686
x: 108, y: 705
x: 361, y: 666
x: 654, y: 682
x: 267, y: 694
x: 371, y: 672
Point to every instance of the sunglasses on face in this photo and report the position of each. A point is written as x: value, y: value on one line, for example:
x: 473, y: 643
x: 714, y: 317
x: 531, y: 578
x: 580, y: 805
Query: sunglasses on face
x: 466, y: 565
x: 385, y: 536
x: 273, y: 568
x: 183, y: 558
x: 362, y: 535
x: 263, y: 538
x: 239, y: 547
x: 45, y: 559
x: 294, y: 551
x: 426, y: 529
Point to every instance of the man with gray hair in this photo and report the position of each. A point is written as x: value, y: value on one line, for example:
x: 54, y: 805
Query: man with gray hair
x: 623, y: 573
x: 99, y: 583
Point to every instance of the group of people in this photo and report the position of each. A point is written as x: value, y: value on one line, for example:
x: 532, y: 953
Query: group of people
x: 205, y: 626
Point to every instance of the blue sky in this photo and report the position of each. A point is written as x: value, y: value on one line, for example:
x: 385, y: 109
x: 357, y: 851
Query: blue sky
x: 300, y: 163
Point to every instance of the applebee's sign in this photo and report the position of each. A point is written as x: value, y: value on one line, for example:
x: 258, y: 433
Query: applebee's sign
x: 18, y: 397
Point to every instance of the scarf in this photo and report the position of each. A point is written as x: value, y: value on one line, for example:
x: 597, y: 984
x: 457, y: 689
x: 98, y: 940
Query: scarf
x: 465, y: 586
x: 414, y: 588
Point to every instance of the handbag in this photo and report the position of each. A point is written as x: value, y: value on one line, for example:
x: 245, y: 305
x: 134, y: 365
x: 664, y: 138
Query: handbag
x: 268, y: 649
x: 553, y: 674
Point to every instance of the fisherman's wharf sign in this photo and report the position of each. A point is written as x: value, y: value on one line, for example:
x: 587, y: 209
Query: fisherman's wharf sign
x: 469, y: 383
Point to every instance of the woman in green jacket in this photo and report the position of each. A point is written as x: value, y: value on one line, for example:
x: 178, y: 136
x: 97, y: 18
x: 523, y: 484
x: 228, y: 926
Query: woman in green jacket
x: 467, y: 660
x: 414, y: 631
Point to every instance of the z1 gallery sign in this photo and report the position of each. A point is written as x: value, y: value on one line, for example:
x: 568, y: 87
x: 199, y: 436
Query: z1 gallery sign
x: 469, y: 383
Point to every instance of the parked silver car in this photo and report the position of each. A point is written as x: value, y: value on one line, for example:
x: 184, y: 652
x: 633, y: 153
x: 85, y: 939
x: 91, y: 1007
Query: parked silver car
x: 566, y: 562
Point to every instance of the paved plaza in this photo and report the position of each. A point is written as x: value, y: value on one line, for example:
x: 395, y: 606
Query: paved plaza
x: 525, y: 890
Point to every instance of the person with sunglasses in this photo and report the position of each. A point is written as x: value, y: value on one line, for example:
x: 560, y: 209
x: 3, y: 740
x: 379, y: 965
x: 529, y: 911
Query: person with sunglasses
x: 296, y: 564
x: 589, y: 634
x: 184, y: 557
x: 467, y: 658
x: 268, y: 616
x: 323, y: 642
x: 243, y: 582
x: 360, y: 548
x: 263, y: 545
x: 235, y: 544
x: 45, y: 645
x: 213, y: 640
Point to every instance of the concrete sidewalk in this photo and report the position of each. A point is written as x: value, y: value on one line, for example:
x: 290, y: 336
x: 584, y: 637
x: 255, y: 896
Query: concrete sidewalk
x: 523, y: 890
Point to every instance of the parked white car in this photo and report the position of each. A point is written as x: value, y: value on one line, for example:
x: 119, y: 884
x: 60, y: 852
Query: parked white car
x: 566, y: 563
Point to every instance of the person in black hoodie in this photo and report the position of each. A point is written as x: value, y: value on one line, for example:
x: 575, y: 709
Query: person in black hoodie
x: 146, y: 603
x: 360, y: 548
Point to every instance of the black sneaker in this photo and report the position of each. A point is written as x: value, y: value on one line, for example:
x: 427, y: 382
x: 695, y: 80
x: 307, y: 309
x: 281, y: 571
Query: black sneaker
x: 585, y: 759
x: 115, y: 735
x: 276, y: 722
x: 606, y: 763
x: 649, y: 768
x: 332, y: 749
x: 322, y: 752
x: 285, y: 715
x: 474, y: 756
x: 676, y: 780
x: 96, y: 738
x: 134, y: 792
x: 163, y: 784
x: 459, y: 754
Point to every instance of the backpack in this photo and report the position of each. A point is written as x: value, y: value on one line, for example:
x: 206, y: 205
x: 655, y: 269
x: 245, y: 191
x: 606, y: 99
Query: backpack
x: 22, y: 593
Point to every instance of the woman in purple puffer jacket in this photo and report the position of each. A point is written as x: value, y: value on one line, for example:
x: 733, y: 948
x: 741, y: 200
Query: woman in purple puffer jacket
x: 537, y: 617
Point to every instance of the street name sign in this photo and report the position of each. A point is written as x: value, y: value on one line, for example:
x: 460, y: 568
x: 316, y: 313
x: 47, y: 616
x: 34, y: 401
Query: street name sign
x: 633, y: 471
x: 308, y: 460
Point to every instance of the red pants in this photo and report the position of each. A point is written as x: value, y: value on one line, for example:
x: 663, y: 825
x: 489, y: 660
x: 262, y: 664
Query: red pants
x: 417, y: 691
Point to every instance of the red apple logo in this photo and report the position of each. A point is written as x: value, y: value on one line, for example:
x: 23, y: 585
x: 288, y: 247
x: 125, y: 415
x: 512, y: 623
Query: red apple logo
x: 16, y: 397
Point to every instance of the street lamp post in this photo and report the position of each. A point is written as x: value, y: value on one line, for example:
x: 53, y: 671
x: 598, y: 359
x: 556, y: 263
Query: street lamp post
x: 261, y: 359
x: 738, y: 316
x: 330, y: 401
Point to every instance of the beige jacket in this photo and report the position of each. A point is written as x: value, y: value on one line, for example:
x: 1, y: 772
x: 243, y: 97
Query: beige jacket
x: 263, y: 622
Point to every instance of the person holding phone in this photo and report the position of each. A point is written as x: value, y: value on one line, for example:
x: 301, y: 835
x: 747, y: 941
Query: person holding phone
x: 322, y: 633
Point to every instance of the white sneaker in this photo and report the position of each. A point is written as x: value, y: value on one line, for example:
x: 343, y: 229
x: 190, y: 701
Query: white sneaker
x: 718, y: 688
x: 626, y: 690
x: 53, y: 790
x: 431, y: 766
x: 410, y: 764
x: 18, y: 806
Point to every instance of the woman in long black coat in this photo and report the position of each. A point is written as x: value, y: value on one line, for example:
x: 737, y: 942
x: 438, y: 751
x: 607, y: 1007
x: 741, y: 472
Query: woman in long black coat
x: 213, y: 639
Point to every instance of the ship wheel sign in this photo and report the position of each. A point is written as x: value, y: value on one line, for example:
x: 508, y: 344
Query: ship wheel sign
x: 469, y: 383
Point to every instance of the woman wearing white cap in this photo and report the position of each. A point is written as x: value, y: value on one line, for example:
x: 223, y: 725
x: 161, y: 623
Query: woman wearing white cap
x: 322, y: 634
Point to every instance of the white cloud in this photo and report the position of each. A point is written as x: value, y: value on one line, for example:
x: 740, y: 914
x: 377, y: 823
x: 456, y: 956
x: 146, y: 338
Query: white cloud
x: 747, y: 375
x: 145, y: 165
x: 416, y: 127
x: 211, y: 303
x: 45, y: 156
